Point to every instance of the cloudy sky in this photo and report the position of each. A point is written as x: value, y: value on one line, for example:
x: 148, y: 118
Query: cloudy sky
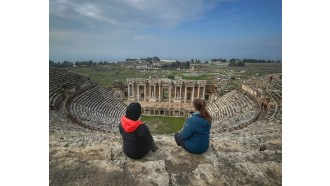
x: 170, y: 29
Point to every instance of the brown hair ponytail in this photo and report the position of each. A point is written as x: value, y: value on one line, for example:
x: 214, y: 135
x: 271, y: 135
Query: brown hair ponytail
x: 200, y: 105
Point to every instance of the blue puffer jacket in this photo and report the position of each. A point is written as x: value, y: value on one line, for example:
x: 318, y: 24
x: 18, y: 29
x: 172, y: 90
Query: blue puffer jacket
x: 196, y: 133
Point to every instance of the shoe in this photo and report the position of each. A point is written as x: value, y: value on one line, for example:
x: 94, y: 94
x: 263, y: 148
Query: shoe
x: 154, y: 148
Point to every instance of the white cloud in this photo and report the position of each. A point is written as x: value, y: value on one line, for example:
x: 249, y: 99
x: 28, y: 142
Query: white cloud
x: 128, y: 14
x: 89, y: 10
x: 112, y: 27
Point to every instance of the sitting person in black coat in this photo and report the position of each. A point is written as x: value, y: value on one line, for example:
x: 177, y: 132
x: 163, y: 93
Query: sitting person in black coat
x: 137, y: 140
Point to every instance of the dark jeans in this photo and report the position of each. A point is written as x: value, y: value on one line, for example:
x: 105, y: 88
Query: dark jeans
x: 179, y: 141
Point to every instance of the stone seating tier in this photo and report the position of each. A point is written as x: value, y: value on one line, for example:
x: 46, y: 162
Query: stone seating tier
x: 59, y: 77
x: 94, y: 118
x: 96, y: 108
x: 233, y: 111
x: 230, y: 104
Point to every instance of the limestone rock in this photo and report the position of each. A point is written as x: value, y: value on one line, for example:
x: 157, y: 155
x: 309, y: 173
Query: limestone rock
x: 78, y: 156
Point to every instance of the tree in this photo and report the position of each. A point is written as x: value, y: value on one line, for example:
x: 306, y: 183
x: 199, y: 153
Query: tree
x: 240, y: 64
x: 156, y: 58
x: 187, y: 64
x: 51, y: 63
x: 60, y: 64
x: 232, y: 63
x: 235, y: 62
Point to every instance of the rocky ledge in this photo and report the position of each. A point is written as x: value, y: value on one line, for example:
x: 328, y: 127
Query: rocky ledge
x: 250, y: 156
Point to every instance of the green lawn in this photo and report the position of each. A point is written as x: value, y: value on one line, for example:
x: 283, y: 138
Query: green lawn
x: 106, y: 75
x: 163, y: 124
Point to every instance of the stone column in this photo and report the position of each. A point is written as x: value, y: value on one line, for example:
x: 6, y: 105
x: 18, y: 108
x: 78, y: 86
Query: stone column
x: 145, y: 92
x: 149, y: 91
x: 198, y: 91
x: 185, y: 94
x: 128, y: 91
x: 159, y: 92
x: 175, y: 91
x: 192, y: 95
x: 133, y: 91
x: 154, y: 94
x: 180, y: 92
x: 204, y: 92
x: 169, y: 94
x: 138, y: 92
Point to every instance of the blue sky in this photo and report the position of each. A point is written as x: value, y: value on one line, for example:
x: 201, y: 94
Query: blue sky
x: 203, y: 29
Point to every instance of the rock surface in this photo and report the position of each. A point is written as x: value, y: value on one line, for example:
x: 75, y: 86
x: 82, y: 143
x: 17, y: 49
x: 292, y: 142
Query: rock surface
x: 79, y: 156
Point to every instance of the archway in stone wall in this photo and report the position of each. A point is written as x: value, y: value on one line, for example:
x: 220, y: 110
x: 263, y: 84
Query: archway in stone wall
x: 141, y: 92
x: 189, y: 94
x: 165, y: 93
x: 207, y: 97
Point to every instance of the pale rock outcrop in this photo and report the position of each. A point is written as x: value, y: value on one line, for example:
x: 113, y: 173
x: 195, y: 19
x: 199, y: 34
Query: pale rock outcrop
x: 79, y: 156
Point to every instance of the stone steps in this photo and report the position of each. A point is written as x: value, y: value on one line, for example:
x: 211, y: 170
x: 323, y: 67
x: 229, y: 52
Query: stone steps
x: 97, y: 107
x: 60, y: 77
x: 232, y: 111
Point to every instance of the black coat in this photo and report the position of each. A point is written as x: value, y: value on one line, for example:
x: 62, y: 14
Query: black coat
x: 138, y: 143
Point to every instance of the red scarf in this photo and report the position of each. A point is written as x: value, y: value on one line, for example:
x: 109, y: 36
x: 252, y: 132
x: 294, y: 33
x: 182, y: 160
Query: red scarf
x: 130, y: 125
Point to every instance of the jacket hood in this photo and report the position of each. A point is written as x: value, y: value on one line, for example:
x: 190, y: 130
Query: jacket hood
x: 130, y: 125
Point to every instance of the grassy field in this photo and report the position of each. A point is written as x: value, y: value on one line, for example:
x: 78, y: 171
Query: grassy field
x: 105, y: 75
x: 251, y: 69
x: 163, y: 124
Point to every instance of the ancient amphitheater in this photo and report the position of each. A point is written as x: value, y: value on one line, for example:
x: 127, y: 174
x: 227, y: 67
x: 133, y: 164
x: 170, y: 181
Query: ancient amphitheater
x: 85, y: 146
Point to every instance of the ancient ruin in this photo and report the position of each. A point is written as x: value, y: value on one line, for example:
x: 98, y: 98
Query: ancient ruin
x: 167, y: 90
x: 163, y: 96
x: 246, y: 139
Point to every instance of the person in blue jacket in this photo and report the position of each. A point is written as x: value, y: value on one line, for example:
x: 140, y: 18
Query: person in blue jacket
x: 195, y: 134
